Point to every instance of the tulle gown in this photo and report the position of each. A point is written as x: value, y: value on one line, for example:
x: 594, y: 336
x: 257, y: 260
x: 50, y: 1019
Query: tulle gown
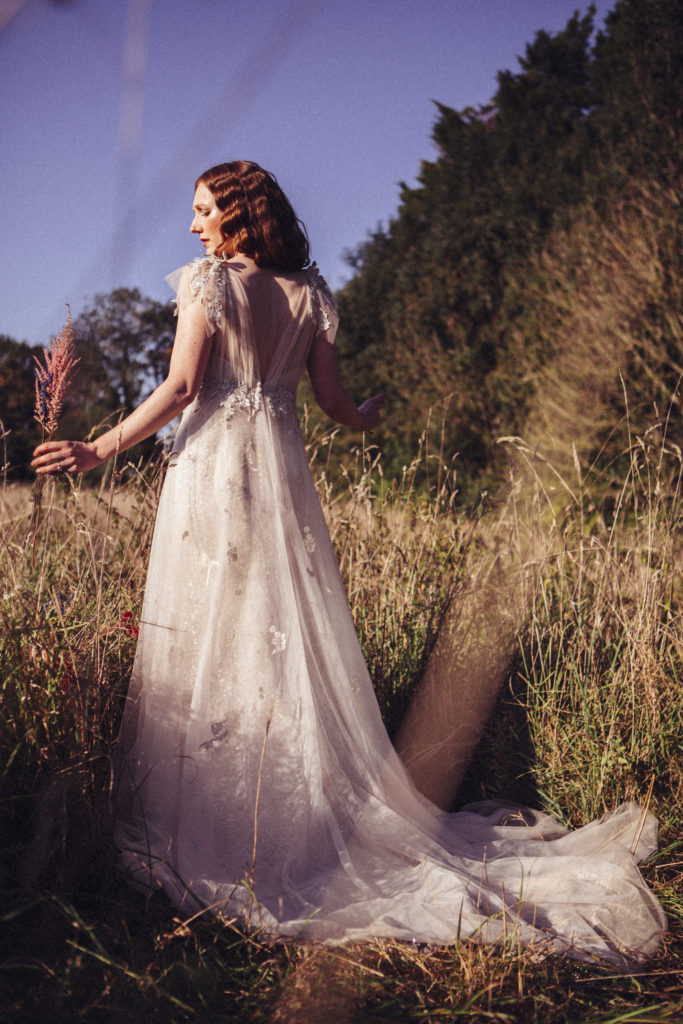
x: 256, y: 777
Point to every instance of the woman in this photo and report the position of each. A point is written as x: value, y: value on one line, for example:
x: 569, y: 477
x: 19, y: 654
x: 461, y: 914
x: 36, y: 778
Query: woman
x: 256, y: 777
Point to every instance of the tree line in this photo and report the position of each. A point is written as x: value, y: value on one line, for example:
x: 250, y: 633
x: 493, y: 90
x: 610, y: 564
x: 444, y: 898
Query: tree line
x: 459, y: 308
x: 449, y: 305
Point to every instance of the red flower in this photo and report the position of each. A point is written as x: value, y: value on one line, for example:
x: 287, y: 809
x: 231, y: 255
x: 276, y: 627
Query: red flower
x: 126, y: 622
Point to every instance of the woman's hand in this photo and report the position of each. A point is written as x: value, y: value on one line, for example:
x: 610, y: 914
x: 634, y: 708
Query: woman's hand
x: 371, y: 411
x: 65, y: 457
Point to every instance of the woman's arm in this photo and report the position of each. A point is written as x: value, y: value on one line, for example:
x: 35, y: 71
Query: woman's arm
x: 332, y: 396
x: 186, y: 371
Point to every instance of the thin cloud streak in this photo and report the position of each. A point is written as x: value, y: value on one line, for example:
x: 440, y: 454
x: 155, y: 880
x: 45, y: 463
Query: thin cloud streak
x: 240, y: 91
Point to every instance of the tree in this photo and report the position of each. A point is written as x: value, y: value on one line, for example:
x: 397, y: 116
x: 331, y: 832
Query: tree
x: 437, y: 305
x: 125, y: 342
x: 637, y: 71
x: 16, y: 403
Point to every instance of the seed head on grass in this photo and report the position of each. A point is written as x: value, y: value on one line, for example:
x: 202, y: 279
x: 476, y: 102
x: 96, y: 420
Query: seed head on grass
x: 54, y: 377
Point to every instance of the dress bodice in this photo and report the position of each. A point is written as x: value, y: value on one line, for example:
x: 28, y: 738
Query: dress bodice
x: 263, y: 321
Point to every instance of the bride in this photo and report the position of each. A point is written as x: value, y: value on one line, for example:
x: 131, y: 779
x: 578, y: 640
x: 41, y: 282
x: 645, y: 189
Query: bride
x: 255, y: 776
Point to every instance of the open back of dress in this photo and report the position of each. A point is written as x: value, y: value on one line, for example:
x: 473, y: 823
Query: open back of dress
x: 256, y: 777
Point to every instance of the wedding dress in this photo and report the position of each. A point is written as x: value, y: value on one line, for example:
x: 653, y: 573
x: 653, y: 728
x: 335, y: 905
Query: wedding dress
x: 256, y: 777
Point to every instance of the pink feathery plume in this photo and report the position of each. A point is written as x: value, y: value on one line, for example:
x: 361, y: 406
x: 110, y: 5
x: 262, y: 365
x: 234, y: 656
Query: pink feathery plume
x: 53, y: 378
x: 52, y: 383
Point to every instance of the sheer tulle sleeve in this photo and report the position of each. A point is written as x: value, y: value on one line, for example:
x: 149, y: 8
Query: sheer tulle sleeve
x: 201, y: 281
x: 323, y: 307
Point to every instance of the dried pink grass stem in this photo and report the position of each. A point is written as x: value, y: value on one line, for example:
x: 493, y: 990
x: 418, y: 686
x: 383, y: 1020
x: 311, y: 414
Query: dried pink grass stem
x: 52, y: 383
x: 53, y: 378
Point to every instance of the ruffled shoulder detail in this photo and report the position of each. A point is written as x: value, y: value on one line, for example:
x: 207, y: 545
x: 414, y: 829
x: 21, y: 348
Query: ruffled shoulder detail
x: 322, y: 306
x: 174, y: 281
x: 204, y: 279
x: 208, y: 282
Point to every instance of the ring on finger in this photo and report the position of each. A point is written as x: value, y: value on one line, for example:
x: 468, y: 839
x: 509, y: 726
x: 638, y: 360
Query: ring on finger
x: 59, y: 467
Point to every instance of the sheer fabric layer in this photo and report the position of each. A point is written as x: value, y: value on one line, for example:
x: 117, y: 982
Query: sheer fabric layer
x: 256, y: 776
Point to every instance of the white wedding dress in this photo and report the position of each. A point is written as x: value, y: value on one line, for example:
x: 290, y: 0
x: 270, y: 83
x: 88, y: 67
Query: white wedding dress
x: 256, y: 777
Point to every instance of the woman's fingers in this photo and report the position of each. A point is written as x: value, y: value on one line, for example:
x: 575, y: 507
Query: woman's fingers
x: 48, y: 457
x: 48, y: 446
x: 53, y: 462
x: 63, y: 457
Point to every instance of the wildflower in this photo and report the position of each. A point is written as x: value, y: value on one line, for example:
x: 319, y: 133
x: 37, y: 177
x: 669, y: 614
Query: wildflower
x: 126, y: 623
x: 61, y: 605
x: 67, y: 679
x: 53, y: 378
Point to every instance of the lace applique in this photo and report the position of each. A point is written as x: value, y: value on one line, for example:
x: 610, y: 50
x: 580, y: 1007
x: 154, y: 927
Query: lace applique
x: 278, y: 640
x: 248, y: 398
x: 321, y: 301
x: 219, y: 731
x: 207, y: 563
x: 249, y: 456
x: 309, y: 541
x: 320, y: 315
x: 207, y: 281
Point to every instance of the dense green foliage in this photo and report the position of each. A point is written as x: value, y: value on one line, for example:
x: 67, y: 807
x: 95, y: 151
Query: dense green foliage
x: 439, y: 309
x: 20, y: 433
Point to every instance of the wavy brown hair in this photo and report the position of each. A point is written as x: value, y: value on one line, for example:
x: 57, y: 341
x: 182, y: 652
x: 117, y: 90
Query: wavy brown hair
x: 257, y: 218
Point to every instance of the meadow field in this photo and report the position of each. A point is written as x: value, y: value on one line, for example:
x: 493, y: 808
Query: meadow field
x: 558, y: 600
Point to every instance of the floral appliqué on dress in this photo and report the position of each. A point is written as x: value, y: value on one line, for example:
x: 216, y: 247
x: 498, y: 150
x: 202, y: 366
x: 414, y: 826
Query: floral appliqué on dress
x: 278, y: 640
x: 249, y: 398
x: 207, y: 279
x: 219, y: 732
x: 309, y: 540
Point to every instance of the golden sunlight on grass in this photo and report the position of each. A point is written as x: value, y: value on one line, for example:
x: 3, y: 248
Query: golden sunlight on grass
x: 556, y: 607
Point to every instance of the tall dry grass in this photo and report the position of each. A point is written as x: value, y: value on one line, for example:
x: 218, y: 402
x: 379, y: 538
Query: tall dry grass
x: 568, y: 600
x: 586, y: 712
x: 601, y: 650
x: 603, y: 305
x: 69, y: 600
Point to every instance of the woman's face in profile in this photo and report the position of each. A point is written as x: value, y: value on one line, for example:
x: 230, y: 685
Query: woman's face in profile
x: 206, y: 220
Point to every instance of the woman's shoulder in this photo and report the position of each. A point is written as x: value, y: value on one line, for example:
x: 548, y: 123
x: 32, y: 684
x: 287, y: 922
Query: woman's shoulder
x: 205, y: 268
x: 313, y: 275
x: 318, y: 285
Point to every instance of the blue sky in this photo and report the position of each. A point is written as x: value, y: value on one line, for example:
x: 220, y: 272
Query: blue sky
x: 111, y: 108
